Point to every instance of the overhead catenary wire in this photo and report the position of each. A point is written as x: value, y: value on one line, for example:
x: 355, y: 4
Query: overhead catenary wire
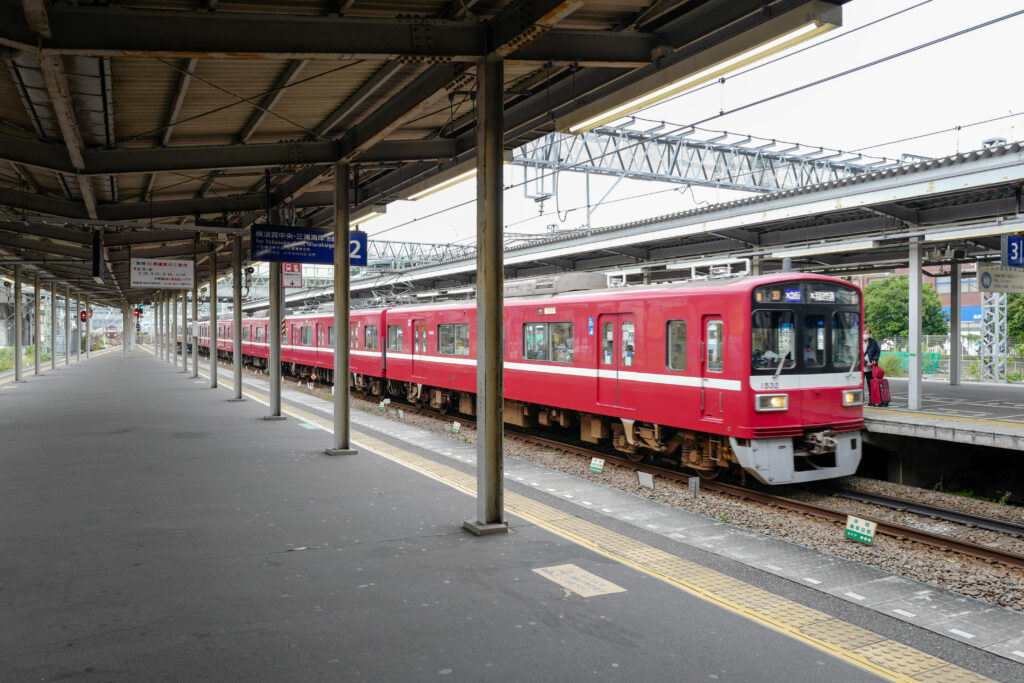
x: 758, y: 102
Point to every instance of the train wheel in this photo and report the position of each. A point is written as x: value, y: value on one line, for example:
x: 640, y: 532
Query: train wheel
x: 634, y: 457
x: 709, y: 475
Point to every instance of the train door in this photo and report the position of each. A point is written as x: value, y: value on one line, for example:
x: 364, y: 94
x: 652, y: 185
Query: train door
x: 419, y: 347
x: 617, y: 355
x: 712, y: 347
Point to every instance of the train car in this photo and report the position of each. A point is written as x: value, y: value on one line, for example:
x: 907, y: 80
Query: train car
x: 112, y: 331
x: 761, y: 374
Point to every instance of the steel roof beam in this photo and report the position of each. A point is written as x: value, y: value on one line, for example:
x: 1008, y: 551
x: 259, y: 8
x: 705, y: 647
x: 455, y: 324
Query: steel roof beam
x: 214, y: 157
x: 60, y: 97
x: 113, y: 32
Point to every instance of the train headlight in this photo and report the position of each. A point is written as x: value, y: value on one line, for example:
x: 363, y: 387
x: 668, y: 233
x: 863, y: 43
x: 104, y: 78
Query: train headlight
x: 853, y: 397
x: 771, y: 403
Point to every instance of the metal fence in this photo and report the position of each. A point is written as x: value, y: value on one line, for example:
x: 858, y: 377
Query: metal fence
x: 935, y: 353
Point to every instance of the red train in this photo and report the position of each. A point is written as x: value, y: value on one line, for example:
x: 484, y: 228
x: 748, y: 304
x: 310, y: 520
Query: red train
x: 759, y: 373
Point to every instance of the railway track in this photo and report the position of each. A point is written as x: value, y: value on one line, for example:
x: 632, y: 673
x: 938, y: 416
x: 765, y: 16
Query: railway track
x: 925, y: 510
x: 897, y: 531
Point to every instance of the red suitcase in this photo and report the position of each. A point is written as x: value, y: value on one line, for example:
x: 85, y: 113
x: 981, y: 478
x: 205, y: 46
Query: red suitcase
x: 879, y: 392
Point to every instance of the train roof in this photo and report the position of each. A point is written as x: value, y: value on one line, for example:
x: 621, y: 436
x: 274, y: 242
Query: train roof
x: 658, y: 290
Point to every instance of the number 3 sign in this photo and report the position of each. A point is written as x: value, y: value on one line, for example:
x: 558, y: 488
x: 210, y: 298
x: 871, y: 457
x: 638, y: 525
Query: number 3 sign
x: 357, y: 248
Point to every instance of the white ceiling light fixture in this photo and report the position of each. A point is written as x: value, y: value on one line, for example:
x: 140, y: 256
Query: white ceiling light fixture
x: 764, y: 40
x: 444, y: 184
x: 824, y: 248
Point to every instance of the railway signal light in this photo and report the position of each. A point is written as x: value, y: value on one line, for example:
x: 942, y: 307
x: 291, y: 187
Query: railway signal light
x: 82, y: 315
x: 138, y: 311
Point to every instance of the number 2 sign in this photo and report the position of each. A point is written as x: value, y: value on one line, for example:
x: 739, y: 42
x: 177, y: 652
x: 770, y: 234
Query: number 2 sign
x: 357, y: 248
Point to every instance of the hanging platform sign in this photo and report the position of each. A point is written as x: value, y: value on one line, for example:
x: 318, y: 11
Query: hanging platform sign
x: 291, y: 275
x: 162, y: 273
x: 288, y: 245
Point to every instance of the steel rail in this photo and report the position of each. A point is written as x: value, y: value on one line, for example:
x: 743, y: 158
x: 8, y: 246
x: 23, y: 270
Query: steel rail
x: 924, y: 509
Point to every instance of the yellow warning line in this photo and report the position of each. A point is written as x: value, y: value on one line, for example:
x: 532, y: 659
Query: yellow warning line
x: 860, y: 647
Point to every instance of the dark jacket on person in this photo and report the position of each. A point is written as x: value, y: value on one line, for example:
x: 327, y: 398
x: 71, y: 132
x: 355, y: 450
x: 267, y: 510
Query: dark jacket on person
x: 872, y: 351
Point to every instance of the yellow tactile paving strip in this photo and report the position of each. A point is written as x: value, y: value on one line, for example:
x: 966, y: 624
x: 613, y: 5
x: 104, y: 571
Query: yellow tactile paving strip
x: 860, y: 647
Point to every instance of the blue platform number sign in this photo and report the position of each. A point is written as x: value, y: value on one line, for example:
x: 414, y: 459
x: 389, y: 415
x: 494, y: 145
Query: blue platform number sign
x: 357, y: 248
x: 1013, y: 251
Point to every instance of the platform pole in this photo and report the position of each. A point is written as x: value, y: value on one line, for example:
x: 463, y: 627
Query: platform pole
x: 36, y: 325
x: 184, y: 330
x: 17, y: 323
x: 158, y: 325
x: 914, y: 352
x: 88, y: 330
x: 124, y: 328
x: 236, y: 315
x: 214, y: 337
x: 53, y: 324
x: 274, y: 332
x: 172, y: 303
x: 78, y: 329
x: 195, y: 316
x: 955, y: 314
x: 168, y: 332
x: 67, y: 326
x: 489, y: 301
x: 342, y: 179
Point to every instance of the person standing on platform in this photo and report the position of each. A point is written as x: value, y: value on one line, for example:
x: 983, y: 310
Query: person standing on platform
x: 872, y: 351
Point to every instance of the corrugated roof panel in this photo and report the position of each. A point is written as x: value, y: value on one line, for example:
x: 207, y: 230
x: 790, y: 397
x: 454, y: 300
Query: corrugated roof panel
x: 212, y: 113
x: 323, y: 86
x: 143, y: 92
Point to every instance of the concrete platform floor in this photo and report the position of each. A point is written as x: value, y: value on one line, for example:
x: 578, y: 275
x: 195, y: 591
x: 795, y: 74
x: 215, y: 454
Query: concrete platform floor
x: 151, y: 530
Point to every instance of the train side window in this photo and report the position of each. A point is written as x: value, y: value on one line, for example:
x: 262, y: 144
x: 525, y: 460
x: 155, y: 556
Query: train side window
x: 370, y: 337
x: 535, y: 341
x: 628, y: 342
x: 676, y: 345
x: 394, y: 337
x: 259, y: 334
x: 353, y: 335
x: 608, y: 344
x: 548, y: 341
x: 306, y: 335
x: 245, y: 334
x: 330, y: 336
x: 453, y: 339
x: 715, y: 345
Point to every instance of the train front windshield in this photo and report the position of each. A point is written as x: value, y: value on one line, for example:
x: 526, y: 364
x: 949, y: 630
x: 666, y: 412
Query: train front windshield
x: 805, y: 327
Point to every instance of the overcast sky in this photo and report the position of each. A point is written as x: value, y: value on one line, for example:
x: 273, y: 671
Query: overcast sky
x: 960, y: 81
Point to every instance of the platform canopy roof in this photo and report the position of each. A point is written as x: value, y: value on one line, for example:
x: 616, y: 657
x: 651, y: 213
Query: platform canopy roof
x: 158, y: 122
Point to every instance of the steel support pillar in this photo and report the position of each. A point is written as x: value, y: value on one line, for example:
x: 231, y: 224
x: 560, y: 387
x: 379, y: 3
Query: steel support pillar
x: 36, y: 325
x: 914, y: 351
x: 67, y: 326
x: 342, y: 443
x: 158, y: 324
x: 183, y: 297
x: 53, y: 324
x: 236, y: 315
x: 124, y: 328
x: 17, y: 323
x: 955, y: 312
x: 195, y: 326
x: 78, y: 329
x: 168, y: 332
x: 274, y: 332
x: 88, y: 330
x: 489, y: 301
x: 214, y: 337
x: 172, y: 303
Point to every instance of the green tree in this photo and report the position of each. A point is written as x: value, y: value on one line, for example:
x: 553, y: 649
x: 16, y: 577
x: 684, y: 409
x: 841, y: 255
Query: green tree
x: 1015, y: 317
x: 887, y: 308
